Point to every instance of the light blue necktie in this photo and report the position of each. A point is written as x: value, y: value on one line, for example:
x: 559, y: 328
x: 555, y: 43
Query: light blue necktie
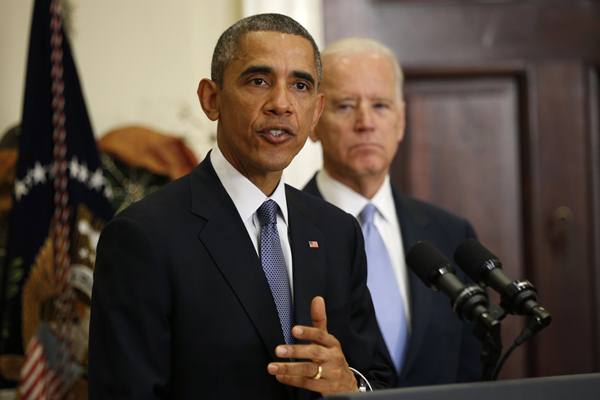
x: 273, y: 264
x: 388, y: 303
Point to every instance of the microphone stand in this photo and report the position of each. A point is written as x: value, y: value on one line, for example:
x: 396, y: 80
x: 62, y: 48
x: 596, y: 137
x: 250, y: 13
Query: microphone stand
x: 535, y: 323
x: 492, y: 359
x: 491, y: 340
x: 472, y: 303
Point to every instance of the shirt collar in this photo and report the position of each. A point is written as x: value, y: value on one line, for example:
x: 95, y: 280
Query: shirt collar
x: 352, y: 202
x: 245, y: 195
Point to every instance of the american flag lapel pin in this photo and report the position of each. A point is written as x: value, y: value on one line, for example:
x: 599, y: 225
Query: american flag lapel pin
x: 313, y: 244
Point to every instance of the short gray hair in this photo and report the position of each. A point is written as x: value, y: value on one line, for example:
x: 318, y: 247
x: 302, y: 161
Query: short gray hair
x: 228, y: 43
x: 357, y: 45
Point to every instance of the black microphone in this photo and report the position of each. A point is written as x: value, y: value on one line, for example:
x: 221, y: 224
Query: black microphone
x: 517, y: 297
x: 469, y: 302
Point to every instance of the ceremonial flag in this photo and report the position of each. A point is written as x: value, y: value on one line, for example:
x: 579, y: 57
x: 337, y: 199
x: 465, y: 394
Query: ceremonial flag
x: 60, y: 203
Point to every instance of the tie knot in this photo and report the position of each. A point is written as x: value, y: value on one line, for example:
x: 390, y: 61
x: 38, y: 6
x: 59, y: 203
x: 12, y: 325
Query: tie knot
x: 267, y: 213
x: 367, y: 214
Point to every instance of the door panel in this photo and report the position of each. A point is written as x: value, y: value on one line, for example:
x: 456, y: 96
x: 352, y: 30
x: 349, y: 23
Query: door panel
x: 561, y: 214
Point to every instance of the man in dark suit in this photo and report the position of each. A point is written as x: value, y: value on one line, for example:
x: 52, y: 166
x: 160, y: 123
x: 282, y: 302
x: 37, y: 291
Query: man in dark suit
x: 360, y: 129
x: 227, y: 283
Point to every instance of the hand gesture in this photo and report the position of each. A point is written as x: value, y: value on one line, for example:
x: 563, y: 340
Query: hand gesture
x: 323, y: 367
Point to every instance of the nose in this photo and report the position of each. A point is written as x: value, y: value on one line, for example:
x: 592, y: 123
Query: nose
x: 364, y: 118
x: 278, y: 102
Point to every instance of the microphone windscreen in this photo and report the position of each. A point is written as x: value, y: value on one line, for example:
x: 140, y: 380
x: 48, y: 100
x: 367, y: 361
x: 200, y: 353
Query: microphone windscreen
x: 475, y: 259
x: 425, y: 260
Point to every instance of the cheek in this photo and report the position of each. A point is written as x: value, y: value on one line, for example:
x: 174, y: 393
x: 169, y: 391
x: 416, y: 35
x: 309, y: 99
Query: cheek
x: 339, y: 145
x: 241, y: 108
x: 307, y: 112
x: 243, y: 125
x: 391, y: 146
x: 335, y: 131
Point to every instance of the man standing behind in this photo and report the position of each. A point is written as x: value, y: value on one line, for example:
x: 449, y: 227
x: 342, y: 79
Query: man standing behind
x: 360, y: 129
x: 227, y: 284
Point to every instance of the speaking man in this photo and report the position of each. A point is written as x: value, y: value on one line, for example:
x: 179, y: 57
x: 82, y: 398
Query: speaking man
x: 227, y: 283
x: 360, y: 129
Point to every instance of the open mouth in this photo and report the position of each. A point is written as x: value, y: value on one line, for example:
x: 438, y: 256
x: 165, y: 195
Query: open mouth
x: 277, y: 132
x: 276, y: 135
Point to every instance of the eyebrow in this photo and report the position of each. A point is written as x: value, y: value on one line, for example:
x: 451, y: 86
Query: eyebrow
x: 264, y: 69
x: 256, y: 69
x: 340, y: 99
x: 353, y: 98
x: 304, y: 75
x: 384, y: 99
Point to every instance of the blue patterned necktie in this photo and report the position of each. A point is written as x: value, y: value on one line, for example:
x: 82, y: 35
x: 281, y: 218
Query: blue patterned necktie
x: 388, y: 303
x: 273, y: 264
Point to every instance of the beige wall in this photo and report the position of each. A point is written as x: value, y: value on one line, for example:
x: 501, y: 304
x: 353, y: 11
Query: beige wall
x: 140, y: 61
x: 14, y: 32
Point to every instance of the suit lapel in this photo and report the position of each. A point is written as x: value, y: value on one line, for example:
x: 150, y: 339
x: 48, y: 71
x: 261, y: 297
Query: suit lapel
x: 226, y: 239
x: 414, y: 227
x: 309, y: 262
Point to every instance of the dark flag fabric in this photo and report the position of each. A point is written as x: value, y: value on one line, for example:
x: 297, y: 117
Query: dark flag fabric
x: 60, y: 203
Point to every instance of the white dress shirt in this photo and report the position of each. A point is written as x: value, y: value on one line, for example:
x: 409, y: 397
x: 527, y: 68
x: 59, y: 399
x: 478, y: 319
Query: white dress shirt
x: 247, y: 198
x: 386, y: 221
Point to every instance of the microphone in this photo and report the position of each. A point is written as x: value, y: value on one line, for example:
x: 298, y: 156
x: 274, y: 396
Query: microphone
x: 517, y: 297
x: 468, y: 302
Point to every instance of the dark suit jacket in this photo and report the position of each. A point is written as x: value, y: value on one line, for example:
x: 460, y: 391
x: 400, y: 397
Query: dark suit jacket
x: 441, y: 348
x: 181, y: 307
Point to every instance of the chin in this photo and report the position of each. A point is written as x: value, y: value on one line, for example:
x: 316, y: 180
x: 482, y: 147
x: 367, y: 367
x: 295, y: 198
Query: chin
x: 368, y: 166
x: 278, y: 158
x: 275, y: 164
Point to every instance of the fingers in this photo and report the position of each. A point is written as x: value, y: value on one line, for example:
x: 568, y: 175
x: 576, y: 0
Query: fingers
x: 320, y: 386
x: 298, y: 369
x: 327, y: 371
x: 313, y: 352
x: 332, y: 378
x: 318, y: 313
x: 315, y: 335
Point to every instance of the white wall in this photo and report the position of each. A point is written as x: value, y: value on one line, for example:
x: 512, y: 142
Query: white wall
x: 140, y: 61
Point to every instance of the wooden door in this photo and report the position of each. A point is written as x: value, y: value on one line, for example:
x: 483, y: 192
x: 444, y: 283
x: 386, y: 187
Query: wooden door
x: 503, y: 128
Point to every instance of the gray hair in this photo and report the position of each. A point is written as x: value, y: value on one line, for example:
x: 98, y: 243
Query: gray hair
x: 228, y: 43
x: 357, y: 45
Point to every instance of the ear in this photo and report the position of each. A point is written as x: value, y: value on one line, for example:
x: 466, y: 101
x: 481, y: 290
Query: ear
x: 208, y: 92
x: 316, y: 115
x: 401, y: 121
x: 314, y: 135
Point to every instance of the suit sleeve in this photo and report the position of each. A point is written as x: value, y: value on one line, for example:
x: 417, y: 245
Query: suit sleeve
x: 375, y: 363
x: 129, y: 347
x: 469, y: 365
